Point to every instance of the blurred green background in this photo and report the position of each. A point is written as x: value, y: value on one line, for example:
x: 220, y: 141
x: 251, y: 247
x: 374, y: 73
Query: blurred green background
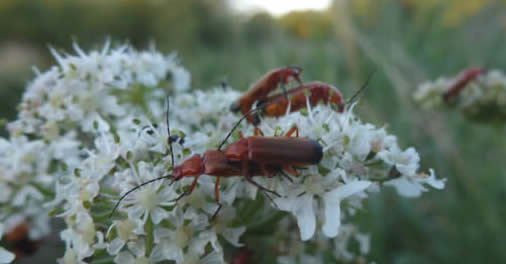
x: 405, y: 41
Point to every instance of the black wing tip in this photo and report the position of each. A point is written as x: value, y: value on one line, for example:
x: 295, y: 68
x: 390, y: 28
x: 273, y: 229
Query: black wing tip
x: 318, y: 151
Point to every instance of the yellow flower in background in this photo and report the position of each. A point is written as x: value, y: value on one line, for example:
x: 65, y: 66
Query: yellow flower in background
x: 362, y: 7
x: 455, y: 11
x: 458, y: 11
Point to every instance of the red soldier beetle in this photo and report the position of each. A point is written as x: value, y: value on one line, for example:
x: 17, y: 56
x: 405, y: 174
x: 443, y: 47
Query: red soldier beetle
x: 213, y: 163
x: 465, y: 77
x: 310, y: 93
x: 285, y: 151
x: 277, y: 105
x: 268, y: 83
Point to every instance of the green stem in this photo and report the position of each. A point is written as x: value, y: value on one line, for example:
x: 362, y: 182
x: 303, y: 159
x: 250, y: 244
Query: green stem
x: 148, y: 228
x: 109, y: 191
x: 101, y: 217
x: 105, y: 260
x: 44, y: 191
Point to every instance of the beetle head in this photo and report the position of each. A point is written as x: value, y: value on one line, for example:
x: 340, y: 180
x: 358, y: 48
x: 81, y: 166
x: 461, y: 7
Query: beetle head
x: 292, y: 72
x: 234, y: 107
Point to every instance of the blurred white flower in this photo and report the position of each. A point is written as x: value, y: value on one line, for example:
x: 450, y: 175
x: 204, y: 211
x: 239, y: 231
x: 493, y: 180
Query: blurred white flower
x: 5, y: 256
x: 184, y: 244
x: 347, y: 233
x: 126, y: 230
x: 136, y: 254
x: 481, y: 98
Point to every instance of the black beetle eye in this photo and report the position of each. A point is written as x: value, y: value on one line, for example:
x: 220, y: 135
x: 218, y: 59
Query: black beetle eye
x: 234, y: 107
x: 173, y: 138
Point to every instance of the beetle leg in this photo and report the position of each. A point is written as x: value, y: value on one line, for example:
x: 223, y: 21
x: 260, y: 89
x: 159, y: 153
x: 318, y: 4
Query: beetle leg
x: 265, y: 171
x: 244, y: 168
x: 290, y: 132
x: 194, y: 183
x: 250, y: 179
x: 257, y: 132
x: 270, y: 199
x: 291, y: 171
x: 263, y: 190
x: 216, y: 189
x: 282, y: 84
x: 192, y: 187
x: 217, y: 197
x: 286, y: 176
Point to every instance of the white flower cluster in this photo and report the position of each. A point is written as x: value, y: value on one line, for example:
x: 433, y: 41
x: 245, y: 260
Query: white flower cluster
x: 482, y: 99
x: 94, y: 127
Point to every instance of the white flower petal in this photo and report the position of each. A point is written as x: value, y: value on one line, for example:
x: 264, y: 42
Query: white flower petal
x: 115, y: 246
x: 124, y: 258
x: 232, y: 235
x: 213, y: 258
x: 305, y: 216
x: 199, y: 244
x: 350, y: 188
x: 332, y: 214
x: 436, y: 183
x: 158, y: 214
x: 332, y: 200
x: 6, y: 256
x: 158, y: 253
x: 406, y: 188
x: 173, y: 252
x: 137, y: 247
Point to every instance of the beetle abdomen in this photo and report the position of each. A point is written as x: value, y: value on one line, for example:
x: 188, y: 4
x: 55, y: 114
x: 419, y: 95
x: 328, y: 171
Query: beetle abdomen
x: 284, y: 150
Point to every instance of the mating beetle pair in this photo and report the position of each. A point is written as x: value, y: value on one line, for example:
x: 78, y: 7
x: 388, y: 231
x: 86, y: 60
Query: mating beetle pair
x: 294, y: 99
x: 258, y: 155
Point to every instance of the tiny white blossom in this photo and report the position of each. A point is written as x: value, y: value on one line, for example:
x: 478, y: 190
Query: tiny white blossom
x: 146, y: 201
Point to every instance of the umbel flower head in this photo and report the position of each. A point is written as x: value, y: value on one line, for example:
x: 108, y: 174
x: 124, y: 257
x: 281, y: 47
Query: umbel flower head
x: 480, y: 95
x: 93, y: 127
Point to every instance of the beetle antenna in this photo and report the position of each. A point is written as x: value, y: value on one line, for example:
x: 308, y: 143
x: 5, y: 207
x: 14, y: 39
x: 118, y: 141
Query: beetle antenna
x: 169, y: 139
x: 137, y: 187
x: 237, y: 124
x: 355, y: 96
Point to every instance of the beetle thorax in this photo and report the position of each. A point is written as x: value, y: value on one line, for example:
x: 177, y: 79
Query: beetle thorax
x: 190, y: 167
x: 238, y: 150
x: 288, y: 74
